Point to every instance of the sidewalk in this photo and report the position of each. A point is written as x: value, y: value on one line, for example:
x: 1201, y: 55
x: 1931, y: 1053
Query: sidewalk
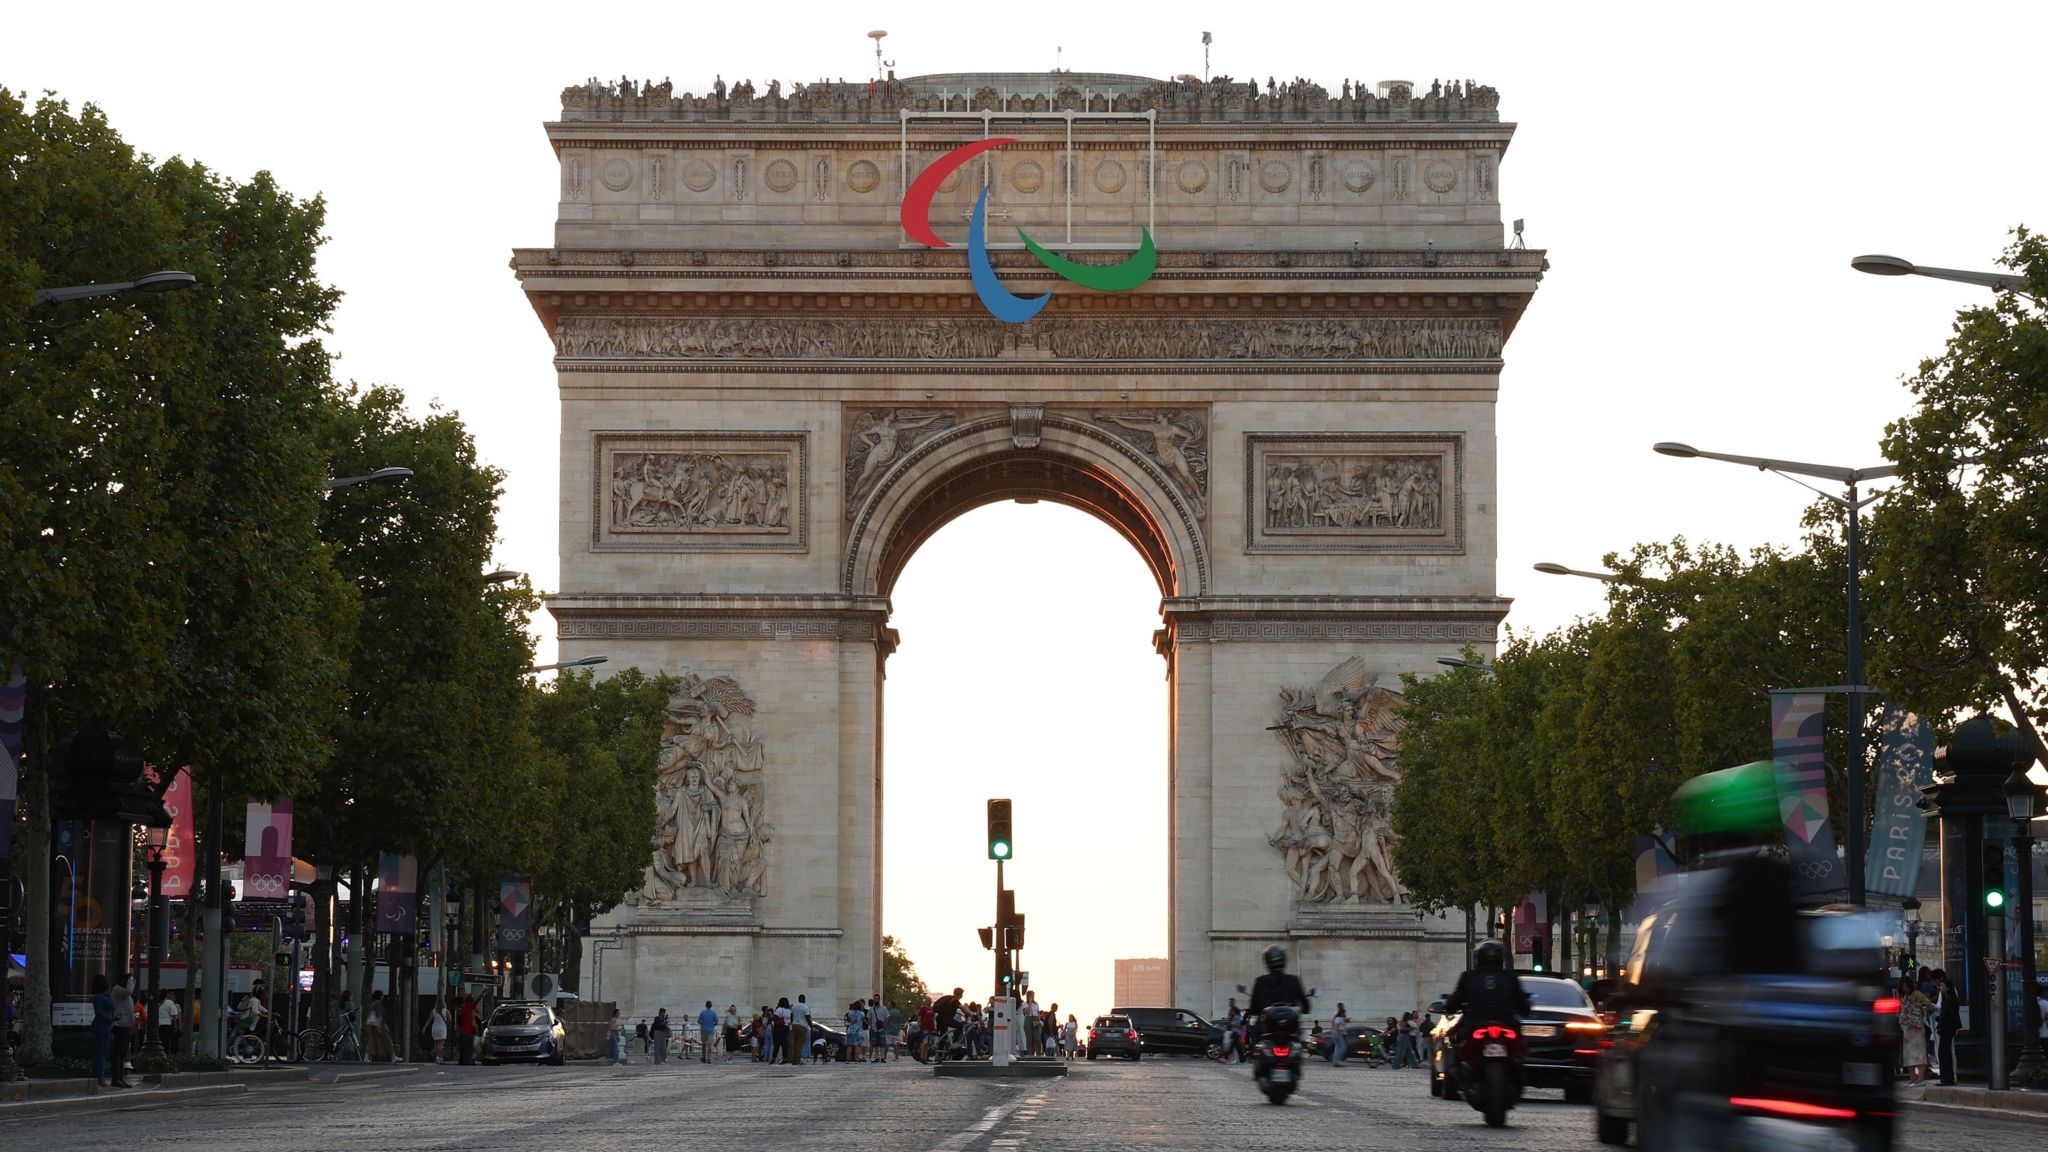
x: 49, y: 1097
x: 2011, y: 1104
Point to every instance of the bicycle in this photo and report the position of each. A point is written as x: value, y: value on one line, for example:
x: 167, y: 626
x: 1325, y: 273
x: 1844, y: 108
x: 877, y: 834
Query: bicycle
x: 268, y: 1040
x: 313, y: 1045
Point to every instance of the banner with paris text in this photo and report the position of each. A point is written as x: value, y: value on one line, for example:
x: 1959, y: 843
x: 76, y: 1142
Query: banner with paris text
x: 1898, y: 829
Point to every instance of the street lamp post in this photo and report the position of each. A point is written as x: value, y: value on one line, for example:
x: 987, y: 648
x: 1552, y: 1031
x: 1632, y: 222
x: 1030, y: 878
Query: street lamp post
x: 154, y: 282
x: 585, y: 662
x: 159, y: 839
x: 2022, y: 803
x: 1852, y: 505
x: 1900, y: 266
x: 379, y: 476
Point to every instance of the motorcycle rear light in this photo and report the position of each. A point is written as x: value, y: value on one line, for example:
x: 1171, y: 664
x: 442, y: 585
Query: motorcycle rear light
x: 1792, y: 1108
x: 1493, y: 1032
x: 1282, y: 1051
x: 1887, y: 1006
x: 1585, y: 1051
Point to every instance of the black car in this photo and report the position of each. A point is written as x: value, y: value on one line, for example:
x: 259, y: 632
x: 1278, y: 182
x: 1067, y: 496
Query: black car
x: 1561, y: 1030
x: 1172, y: 1031
x: 1361, y: 1043
x: 523, y: 1030
x: 1114, y: 1036
x: 827, y: 1044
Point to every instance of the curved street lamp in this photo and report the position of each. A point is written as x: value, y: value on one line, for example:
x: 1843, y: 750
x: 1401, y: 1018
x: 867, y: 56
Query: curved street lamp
x: 380, y: 476
x: 586, y: 662
x: 1475, y: 665
x: 1550, y: 568
x: 1850, y: 504
x: 154, y: 282
x: 1900, y: 266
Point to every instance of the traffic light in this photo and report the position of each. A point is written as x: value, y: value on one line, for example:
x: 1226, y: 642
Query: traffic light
x: 999, y: 845
x: 1013, y: 933
x: 988, y: 937
x: 1993, y: 874
x: 296, y: 924
x: 1008, y: 979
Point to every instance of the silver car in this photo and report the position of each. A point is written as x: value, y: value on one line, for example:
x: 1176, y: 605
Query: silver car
x: 523, y: 1030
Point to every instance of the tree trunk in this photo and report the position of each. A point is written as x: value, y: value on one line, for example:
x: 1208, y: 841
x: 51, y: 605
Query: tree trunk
x: 189, y: 948
x: 572, y: 955
x: 36, y: 904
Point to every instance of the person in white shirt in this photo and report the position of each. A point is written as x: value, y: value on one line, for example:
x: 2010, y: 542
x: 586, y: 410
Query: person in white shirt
x: 167, y: 1014
x: 1033, y: 1039
x: 799, y: 1028
x: 1337, y: 1044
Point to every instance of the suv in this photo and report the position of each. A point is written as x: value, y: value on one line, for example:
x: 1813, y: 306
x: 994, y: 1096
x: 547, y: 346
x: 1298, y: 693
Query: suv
x: 1172, y: 1031
x: 523, y: 1030
x: 1114, y: 1036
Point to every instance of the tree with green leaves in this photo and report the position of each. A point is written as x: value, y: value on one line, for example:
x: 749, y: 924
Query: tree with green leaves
x: 1959, y: 548
x: 598, y: 743
x: 902, y: 987
x: 1445, y: 780
x: 160, y: 567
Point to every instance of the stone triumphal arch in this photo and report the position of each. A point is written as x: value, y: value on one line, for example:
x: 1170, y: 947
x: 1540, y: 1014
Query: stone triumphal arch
x: 770, y: 395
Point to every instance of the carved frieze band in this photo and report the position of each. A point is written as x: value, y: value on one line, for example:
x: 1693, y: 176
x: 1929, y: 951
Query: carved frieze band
x: 1350, y: 338
x: 1354, y: 492
x: 581, y: 627
x: 1296, y: 631
x: 699, y: 491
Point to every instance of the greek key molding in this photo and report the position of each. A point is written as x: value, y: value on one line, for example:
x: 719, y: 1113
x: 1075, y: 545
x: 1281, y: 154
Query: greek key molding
x: 763, y: 476
x: 1341, y: 631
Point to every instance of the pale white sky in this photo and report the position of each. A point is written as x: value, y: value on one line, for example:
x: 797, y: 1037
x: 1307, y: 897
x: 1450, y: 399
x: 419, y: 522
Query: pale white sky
x: 1700, y: 175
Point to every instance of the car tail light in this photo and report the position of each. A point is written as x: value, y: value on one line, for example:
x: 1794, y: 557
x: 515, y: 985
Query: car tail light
x: 1282, y: 1051
x: 1131, y: 1036
x: 1792, y: 1108
x: 1886, y: 1006
x: 1091, y: 1033
x: 1584, y: 1026
x: 1585, y: 1051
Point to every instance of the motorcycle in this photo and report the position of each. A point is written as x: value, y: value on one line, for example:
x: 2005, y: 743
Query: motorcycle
x: 1489, y: 1070
x: 1276, y: 1058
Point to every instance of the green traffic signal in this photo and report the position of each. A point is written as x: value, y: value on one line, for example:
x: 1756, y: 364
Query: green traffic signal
x: 999, y: 843
x: 1994, y: 899
x: 999, y: 849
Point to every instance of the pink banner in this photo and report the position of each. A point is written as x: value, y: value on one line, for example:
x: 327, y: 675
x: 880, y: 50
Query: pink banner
x: 267, y: 851
x: 180, y: 861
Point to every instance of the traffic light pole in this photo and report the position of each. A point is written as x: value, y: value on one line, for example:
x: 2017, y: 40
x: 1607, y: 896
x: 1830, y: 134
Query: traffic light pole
x: 1995, y: 929
x: 1002, y: 953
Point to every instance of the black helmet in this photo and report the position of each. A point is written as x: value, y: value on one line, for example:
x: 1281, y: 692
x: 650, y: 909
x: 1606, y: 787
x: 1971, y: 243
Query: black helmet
x: 1276, y: 958
x: 1489, y: 954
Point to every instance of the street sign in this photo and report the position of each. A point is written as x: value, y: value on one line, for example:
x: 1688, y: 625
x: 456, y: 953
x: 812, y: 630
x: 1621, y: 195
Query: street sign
x: 483, y: 978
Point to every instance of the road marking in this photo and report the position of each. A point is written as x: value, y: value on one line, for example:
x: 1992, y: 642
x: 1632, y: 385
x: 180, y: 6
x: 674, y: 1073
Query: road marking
x: 989, y: 1119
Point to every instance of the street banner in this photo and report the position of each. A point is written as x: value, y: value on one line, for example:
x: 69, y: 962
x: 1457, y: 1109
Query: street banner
x: 267, y: 851
x: 13, y: 708
x: 1905, y: 765
x: 1655, y: 873
x: 1532, y: 921
x: 1798, y: 749
x: 180, y: 862
x: 515, y: 899
x: 398, y: 881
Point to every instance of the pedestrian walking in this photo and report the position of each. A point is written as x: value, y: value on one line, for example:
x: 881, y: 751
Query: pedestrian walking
x: 1033, y: 1026
x: 437, y: 1030
x: 123, y: 1032
x: 707, y: 1027
x: 615, y: 1039
x: 1069, y: 1034
x: 856, y: 1030
x: 640, y: 1037
x: 1337, y: 1044
x: 781, y: 1049
x: 799, y: 1027
x: 658, y: 1034
x: 732, y: 1031
x: 102, y: 1029
x: 376, y: 1028
x: 1913, y: 1006
x: 878, y: 1029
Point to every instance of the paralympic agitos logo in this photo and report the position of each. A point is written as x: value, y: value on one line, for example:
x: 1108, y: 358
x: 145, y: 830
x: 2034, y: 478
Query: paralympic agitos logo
x: 1001, y: 303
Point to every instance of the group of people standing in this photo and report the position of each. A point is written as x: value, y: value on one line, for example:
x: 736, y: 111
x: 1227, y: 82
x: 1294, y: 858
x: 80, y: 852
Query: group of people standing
x: 785, y: 1033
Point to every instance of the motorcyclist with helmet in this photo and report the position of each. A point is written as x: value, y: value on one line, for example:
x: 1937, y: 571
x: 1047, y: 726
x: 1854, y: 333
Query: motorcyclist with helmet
x: 1278, y: 986
x: 1487, y: 992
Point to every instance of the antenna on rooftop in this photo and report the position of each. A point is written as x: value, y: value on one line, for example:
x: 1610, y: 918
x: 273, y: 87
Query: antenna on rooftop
x: 1518, y: 233
x: 1205, y: 57
x: 881, y: 66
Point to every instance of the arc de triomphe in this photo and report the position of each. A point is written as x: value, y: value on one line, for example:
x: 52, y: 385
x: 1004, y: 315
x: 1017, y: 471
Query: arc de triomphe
x: 771, y: 395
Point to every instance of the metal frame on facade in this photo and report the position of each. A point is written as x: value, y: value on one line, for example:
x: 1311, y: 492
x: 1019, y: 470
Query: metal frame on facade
x: 988, y: 117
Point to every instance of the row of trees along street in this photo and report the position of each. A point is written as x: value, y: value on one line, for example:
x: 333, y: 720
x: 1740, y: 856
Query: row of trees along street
x: 171, y: 569
x: 1575, y: 742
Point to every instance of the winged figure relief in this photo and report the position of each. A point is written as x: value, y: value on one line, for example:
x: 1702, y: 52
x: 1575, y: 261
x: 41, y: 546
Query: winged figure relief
x: 1343, y: 735
x: 709, y: 795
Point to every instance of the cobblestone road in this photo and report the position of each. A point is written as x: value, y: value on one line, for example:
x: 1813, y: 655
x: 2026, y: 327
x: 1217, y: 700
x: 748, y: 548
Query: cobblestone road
x: 1159, y: 1103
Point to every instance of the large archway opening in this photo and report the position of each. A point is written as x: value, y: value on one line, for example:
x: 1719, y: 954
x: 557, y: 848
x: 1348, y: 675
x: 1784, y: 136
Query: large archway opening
x: 1026, y: 670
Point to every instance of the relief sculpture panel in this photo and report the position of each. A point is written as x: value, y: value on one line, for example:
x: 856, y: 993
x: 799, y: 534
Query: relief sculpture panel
x: 877, y: 438
x: 698, y: 491
x: 1176, y: 439
x: 710, y: 835
x: 1337, y: 794
x: 1339, y: 492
